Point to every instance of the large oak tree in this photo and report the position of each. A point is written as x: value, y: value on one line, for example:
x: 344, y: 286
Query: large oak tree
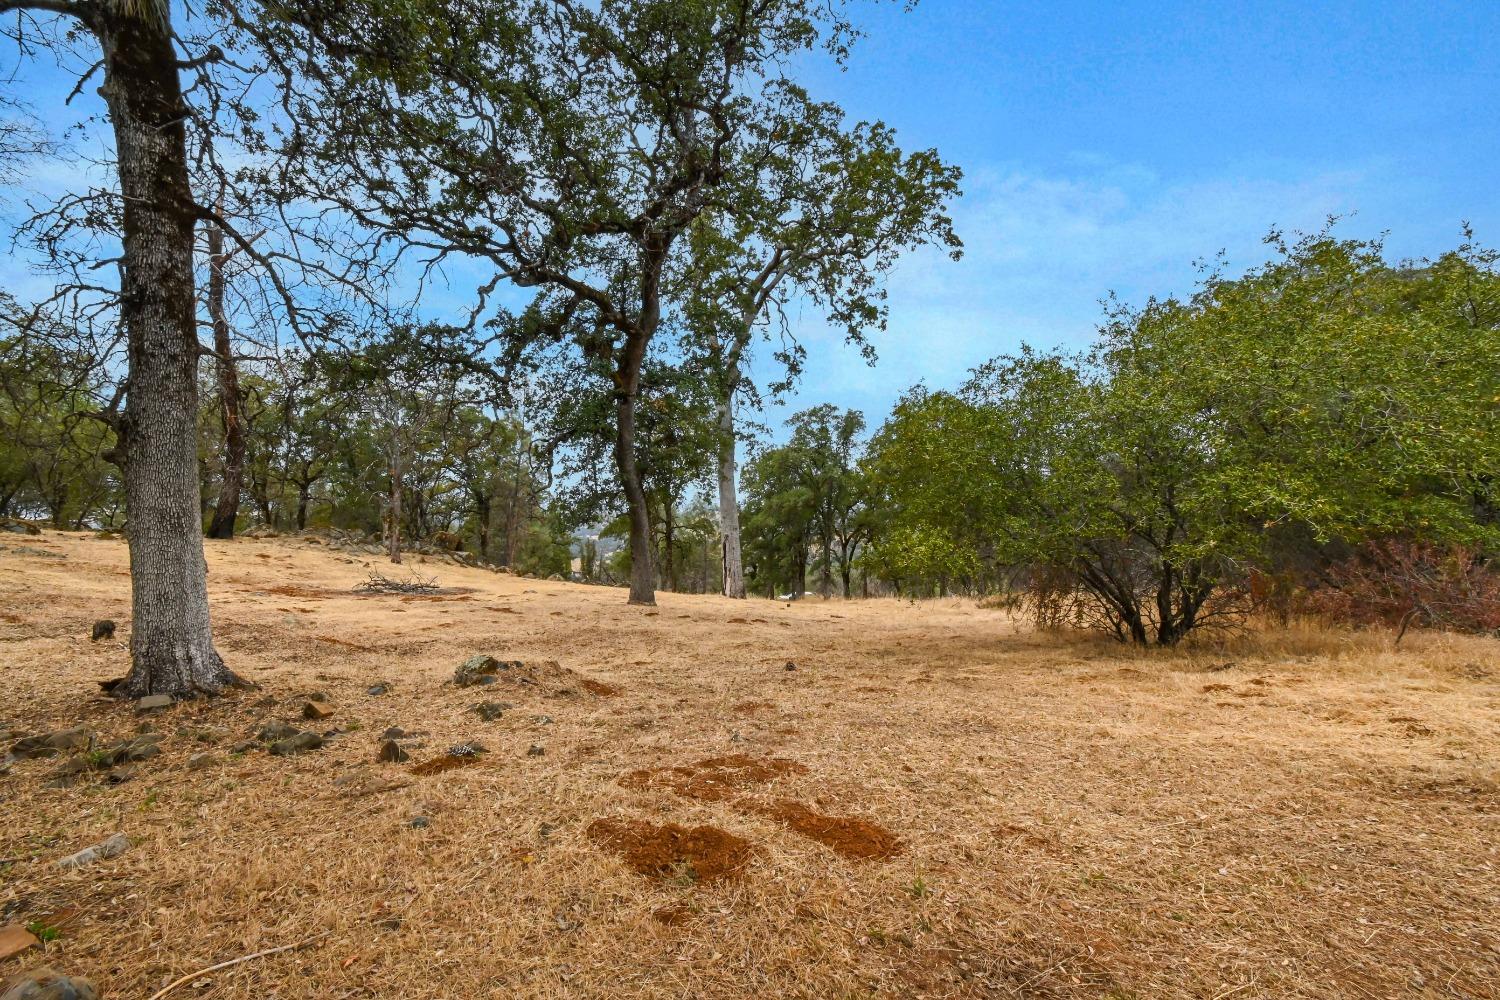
x: 568, y: 147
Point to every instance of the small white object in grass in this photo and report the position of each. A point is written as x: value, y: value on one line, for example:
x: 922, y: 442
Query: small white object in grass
x: 112, y: 847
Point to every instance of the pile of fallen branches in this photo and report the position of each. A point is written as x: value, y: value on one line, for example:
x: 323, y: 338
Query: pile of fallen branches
x: 379, y: 583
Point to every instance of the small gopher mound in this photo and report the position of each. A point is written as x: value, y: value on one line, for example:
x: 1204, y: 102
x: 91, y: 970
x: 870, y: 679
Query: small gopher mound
x: 547, y: 677
x: 847, y: 836
x: 714, y: 779
x: 447, y: 762
x: 690, y: 854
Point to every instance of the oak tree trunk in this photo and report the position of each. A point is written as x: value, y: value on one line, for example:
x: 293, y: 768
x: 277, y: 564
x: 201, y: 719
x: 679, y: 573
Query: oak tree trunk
x: 729, y: 505
x: 171, y: 646
x: 393, y: 540
x: 627, y: 379
x: 642, y: 583
x: 230, y: 404
x: 482, y: 503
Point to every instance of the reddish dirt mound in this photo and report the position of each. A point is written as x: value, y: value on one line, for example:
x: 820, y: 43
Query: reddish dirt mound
x: 752, y: 707
x: 599, y: 688
x: 447, y: 762
x: 713, y: 779
x: 692, y: 854
x: 844, y: 835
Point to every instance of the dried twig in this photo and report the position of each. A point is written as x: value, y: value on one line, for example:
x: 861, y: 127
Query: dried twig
x: 235, y: 961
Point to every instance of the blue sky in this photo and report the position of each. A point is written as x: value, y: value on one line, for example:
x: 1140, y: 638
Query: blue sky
x: 1108, y: 146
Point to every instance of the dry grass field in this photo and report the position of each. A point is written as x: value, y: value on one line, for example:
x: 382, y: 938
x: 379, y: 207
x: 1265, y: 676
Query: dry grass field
x: 935, y: 802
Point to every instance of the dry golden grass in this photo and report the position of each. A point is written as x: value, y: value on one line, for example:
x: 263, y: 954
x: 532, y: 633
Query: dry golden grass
x: 1073, y: 819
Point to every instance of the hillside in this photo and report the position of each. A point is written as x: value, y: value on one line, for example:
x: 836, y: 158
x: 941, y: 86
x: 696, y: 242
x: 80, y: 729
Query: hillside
x: 715, y: 798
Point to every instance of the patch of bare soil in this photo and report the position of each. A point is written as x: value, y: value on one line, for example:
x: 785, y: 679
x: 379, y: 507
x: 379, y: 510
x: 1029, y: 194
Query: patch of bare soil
x: 445, y: 763
x: 295, y: 590
x: 846, y: 836
x: 714, y: 779
x: 689, y: 855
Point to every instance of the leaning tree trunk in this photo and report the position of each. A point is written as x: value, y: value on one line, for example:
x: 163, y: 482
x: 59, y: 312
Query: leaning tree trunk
x: 171, y: 646
x: 627, y: 387
x: 230, y: 404
x: 729, y: 505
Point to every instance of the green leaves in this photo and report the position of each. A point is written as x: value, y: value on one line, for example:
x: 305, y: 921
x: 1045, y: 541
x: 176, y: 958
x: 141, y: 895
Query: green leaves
x: 1324, y: 397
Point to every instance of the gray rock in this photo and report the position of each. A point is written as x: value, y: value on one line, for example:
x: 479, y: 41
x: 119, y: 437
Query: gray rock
x: 120, y: 775
x: 489, y: 711
x: 244, y: 746
x: 273, y: 731
x: 376, y: 690
x: 48, y: 984
x: 480, y: 670
x: 142, y: 747
x: 391, y: 752
x: 475, y: 667
x: 52, y: 744
x: 393, y: 733
x: 65, y: 773
x: 112, y: 847
x: 199, y: 761
x: 154, y: 703
x: 296, y: 744
x: 419, y: 823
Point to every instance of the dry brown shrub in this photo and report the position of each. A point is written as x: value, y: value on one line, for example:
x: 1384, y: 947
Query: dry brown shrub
x: 1401, y: 583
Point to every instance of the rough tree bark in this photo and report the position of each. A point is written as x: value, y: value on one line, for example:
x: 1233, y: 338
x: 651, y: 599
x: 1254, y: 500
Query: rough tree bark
x: 171, y: 645
x: 483, y: 506
x: 729, y: 504
x: 627, y: 388
x: 230, y: 406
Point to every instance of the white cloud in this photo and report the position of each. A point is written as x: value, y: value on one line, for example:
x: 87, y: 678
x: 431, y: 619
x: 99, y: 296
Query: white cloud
x: 1041, y: 251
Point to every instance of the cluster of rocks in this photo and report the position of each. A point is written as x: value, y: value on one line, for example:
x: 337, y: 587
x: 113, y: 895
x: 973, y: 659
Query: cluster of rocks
x: 482, y: 669
x: 83, y: 754
x: 282, y: 739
